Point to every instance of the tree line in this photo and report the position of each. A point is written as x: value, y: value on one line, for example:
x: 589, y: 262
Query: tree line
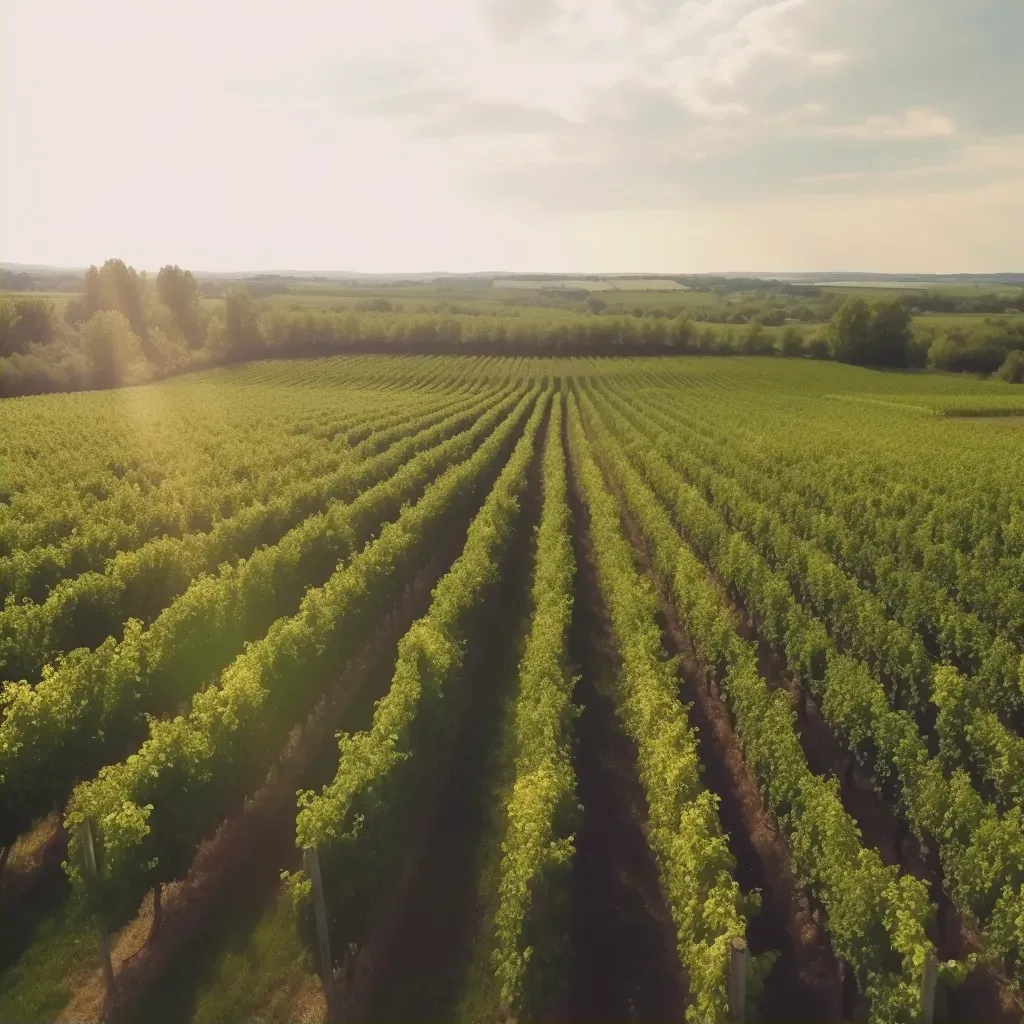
x: 122, y: 329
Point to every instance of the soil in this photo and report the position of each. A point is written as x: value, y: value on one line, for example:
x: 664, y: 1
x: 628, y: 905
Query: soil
x: 236, y: 873
x: 414, y: 967
x: 625, y: 966
x: 33, y: 885
x: 986, y: 995
x: 806, y: 983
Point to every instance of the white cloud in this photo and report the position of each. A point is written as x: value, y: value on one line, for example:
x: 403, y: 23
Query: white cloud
x: 913, y: 123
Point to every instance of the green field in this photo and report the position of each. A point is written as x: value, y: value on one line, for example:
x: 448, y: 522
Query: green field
x: 888, y: 287
x: 618, y: 284
x: 59, y: 299
x: 967, y: 320
x: 554, y: 662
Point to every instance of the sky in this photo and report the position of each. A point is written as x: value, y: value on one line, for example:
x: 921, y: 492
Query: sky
x: 519, y: 135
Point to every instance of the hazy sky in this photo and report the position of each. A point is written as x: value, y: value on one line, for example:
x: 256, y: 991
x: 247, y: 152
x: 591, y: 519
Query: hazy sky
x: 590, y: 135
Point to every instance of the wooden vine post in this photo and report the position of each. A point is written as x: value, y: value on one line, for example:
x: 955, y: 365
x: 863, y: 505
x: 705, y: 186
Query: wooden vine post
x: 738, y: 962
x: 312, y: 866
x: 929, y: 982
x: 91, y: 874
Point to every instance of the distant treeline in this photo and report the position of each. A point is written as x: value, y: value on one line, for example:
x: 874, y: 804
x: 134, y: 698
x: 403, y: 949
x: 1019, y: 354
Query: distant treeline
x: 120, y: 330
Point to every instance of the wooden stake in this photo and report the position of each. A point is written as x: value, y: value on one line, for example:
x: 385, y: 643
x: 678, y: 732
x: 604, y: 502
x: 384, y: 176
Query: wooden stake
x: 738, y: 981
x: 929, y: 982
x: 89, y: 856
x: 312, y: 865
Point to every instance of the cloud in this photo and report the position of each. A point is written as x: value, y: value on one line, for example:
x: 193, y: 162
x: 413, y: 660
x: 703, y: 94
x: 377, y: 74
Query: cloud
x: 914, y: 123
x: 392, y: 121
x: 511, y: 20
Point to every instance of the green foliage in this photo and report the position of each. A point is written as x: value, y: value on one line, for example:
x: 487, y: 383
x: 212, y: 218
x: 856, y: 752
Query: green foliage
x: 980, y: 847
x: 25, y: 322
x: 8, y: 322
x: 359, y: 821
x: 685, y: 834
x: 116, y: 287
x: 157, y: 546
x: 105, y: 692
x: 154, y: 808
x: 529, y: 957
x: 871, y: 336
x: 179, y: 291
x: 876, y: 918
x: 113, y: 349
x: 243, y: 332
x: 1012, y: 370
x: 791, y: 343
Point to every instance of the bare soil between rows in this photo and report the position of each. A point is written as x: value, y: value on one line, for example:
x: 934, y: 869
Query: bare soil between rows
x: 624, y: 966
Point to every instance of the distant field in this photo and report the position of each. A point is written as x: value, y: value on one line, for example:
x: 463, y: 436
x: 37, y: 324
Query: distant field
x: 59, y: 299
x: 652, y: 284
x: 965, y: 319
x: 593, y: 286
x: 885, y: 287
x: 881, y: 285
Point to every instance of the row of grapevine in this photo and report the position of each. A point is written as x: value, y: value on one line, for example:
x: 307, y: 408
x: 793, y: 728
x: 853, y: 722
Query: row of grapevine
x: 970, y: 734
x: 360, y: 823
x: 960, y: 499
x: 875, y: 917
x: 529, y: 957
x: 93, y: 707
x: 970, y: 730
x: 153, y: 809
x: 128, y: 499
x: 897, y: 540
x: 34, y: 573
x: 693, y: 857
x: 927, y: 616
x: 83, y: 611
x: 981, y: 852
x: 71, y: 459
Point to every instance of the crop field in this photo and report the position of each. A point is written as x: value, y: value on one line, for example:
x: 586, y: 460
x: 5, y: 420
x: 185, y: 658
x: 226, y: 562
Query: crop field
x: 614, y: 284
x: 450, y: 688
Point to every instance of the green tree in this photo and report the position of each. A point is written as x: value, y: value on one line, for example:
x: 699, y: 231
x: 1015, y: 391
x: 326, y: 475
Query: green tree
x: 1012, y: 369
x: 76, y: 312
x: 169, y: 353
x: 116, y: 286
x: 113, y: 350
x: 889, y: 334
x: 756, y: 340
x: 243, y: 334
x: 791, y: 343
x: 24, y: 321
x: 179, y: 291
x: 819, y: 346
x: 871, y: 336
x: 849, y: 330
x: 8, y: 322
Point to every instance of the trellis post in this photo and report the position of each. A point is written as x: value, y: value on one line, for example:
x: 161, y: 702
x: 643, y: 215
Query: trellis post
x: 91, y: 874
x: 739, y: 959
x: 312, y: 865
x: 929, y: 983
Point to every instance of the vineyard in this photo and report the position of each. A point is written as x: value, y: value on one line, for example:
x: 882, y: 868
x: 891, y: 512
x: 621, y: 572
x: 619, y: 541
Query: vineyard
x: 392, y: 688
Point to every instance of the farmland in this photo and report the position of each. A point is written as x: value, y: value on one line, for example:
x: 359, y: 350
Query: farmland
x: 112, y: 325
x: 466, y: 688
